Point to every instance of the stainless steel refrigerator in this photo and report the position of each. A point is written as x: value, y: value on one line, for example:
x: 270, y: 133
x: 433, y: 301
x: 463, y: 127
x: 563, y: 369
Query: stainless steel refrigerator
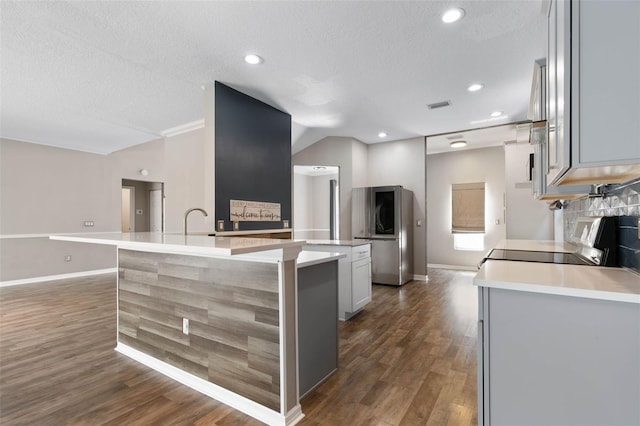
x: 384, y: 215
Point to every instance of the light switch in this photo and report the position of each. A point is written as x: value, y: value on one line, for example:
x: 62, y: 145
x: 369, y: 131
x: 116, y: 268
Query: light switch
x: 497, y: 221
x: 419, y: 222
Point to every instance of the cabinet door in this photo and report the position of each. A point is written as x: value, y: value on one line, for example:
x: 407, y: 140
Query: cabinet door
x: 606, y: 87
x: 559, y: 94
x: 360, y: 283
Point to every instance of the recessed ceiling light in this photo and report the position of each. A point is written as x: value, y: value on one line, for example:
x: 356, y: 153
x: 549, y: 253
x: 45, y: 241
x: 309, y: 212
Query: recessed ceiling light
x: 382, y: 135
x: 253, y: 59
x: 458, y: 144
x: 496, y: 113
x: 475, y: 87
x: 452, y: 15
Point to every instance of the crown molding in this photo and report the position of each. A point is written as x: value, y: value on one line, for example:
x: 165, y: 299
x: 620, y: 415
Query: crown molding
x: 183, y: 128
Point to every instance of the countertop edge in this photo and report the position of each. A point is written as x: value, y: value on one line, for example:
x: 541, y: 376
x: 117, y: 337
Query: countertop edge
x: 274, y: 244
x: 559, y: 291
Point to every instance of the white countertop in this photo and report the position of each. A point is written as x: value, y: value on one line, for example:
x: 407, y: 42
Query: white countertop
x: 537, y: 245
x: 305, y: 258
x: 251, y: 232
x: 348, y: 243
x: 593, y: 282
x: 182, y: 244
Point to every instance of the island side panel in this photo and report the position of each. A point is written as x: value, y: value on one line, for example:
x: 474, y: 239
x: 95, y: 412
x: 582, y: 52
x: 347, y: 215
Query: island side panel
x: 233, y: 312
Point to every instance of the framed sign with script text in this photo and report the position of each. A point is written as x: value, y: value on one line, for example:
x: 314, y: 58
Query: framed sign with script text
x: 254, y: 211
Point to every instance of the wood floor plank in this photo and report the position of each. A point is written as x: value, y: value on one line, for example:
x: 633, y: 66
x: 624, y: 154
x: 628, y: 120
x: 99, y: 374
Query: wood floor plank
x: 408, y: 359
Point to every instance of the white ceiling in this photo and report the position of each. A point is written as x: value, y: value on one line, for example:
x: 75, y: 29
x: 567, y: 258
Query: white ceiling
x: 316, y: 170
x: 100, y: 76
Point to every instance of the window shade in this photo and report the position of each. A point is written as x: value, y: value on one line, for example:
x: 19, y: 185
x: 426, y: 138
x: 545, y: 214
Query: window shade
x: 467, y: 213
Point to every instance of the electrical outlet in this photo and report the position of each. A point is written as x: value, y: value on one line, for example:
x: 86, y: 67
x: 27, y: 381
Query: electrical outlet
x: 221, y: 225
x: 67, y: 258
x: 88, y: 223
x: 185, y: 325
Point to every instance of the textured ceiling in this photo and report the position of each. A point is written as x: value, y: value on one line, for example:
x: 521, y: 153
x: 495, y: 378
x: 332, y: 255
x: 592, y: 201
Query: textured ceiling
x: 100, y: 76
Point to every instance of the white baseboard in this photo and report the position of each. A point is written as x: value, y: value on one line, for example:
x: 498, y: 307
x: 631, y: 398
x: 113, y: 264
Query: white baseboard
x: 455, y: 267
x: 58, y: 277
x: 420, y: 277
x: 240, y: 403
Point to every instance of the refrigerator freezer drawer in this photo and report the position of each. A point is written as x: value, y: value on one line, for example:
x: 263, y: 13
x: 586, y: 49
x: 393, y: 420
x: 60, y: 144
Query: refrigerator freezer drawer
x: 385, y: 262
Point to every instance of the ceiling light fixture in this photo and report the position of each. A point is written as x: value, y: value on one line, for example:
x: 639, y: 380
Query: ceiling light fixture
x: 458, y: 144
x: 452, y: 15
x: 253, y: 59
x: 496, y: 113
x: 382, y: 135
x: 475, y: 87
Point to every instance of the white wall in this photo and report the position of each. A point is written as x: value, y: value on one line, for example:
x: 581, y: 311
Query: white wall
x: 187, y: 182
x: 47, y: 190
x: 302, y: 217
x: 402, y: 163
x: 443, y: 170
x: 527, y: 218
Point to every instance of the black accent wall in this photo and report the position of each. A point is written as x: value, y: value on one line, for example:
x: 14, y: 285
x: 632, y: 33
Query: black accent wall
x: 252, y: 156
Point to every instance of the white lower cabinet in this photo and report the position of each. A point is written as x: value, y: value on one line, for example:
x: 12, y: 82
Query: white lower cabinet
x: 360, y: 283
x: 547, y: 359
x: 354, y: 276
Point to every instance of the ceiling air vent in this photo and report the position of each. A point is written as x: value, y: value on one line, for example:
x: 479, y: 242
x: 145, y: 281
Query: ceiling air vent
x: 439, y: 105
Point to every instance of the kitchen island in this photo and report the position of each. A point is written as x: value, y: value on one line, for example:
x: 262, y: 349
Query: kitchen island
x: 557, y: 343
x: 216, y: 314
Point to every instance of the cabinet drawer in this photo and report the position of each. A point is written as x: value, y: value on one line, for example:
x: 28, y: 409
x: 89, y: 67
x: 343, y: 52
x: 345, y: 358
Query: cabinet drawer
x: 360, y: 252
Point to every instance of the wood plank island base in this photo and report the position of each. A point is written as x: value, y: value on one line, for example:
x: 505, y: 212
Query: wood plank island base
x: 216, y: 314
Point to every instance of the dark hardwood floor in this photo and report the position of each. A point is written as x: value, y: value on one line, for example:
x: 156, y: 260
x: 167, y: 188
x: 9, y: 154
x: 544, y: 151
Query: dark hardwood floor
x: 408, y: 359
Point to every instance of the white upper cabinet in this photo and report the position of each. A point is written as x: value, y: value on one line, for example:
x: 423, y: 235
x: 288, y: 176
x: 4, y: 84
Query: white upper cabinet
x: 593, y: 89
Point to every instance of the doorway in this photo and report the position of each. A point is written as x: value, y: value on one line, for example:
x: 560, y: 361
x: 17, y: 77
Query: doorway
x: 316, y: 202
x: 128, y: 208
x: 142, y: 206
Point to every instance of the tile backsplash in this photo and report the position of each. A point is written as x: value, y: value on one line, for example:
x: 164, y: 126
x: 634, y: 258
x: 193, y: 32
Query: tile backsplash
x: 623, y: 202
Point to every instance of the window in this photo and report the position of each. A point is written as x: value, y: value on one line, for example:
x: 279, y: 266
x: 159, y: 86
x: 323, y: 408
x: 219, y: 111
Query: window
x: 467, y: 216
x: 471, y: 242
x: 467, y: 209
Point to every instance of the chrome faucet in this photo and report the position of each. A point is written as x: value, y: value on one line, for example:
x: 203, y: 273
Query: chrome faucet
x: 186, y: 215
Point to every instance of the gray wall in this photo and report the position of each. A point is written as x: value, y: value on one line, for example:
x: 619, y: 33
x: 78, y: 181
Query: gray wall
x: 350, y: 156
x: 527, y: 218
x: 252, y: 156
x: 391, y: 163
x: 59, y: 189
x: 403, y: 163
x: 443, y: 170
